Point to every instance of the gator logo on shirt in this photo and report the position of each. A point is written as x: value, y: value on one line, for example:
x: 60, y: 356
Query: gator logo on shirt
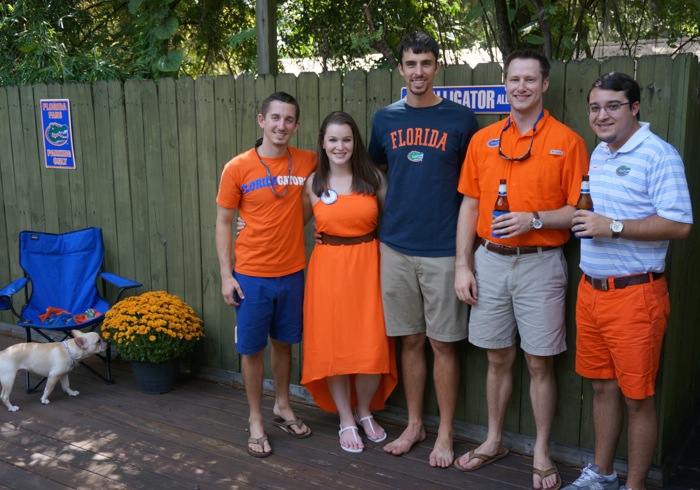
x: 622, y: 170
x: 493, y: 143
x: 415, y: 156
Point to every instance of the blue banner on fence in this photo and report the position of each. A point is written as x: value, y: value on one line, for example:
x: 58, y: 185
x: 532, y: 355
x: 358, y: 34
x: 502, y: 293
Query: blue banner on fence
x: 58, y: 135
x: 482, y: 99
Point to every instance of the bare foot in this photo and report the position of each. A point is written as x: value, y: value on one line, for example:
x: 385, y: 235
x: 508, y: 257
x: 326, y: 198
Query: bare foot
x: 443, y: 454
x: 469, y: 463
x: 408, y: 438
x: 544, y: 463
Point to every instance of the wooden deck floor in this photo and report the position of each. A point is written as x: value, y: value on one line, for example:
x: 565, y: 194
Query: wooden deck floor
x: 113, y: 437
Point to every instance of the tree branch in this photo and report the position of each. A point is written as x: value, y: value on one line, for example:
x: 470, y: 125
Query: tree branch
x: 380, y: 45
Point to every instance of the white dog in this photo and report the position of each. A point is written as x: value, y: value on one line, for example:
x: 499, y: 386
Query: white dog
x: 53, y: 360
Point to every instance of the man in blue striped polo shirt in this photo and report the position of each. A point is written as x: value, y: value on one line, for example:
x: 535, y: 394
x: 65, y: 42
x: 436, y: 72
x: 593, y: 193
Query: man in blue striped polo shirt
x: 641, y: 201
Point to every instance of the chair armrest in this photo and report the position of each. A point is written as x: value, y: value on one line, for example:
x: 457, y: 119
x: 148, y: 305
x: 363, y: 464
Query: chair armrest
x: 10, y: 290
x: 120, y: 282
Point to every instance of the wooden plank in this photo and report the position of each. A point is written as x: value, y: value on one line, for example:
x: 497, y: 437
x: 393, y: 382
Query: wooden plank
x: 330, y: 93
x: 218, y: 350
x: 22, y: 172
x: 553, y: 97
x: 9, y: 264
x: 378, y: 96
x: 32, y: 164
x: 565, y: 428
x: 247, y: 108
x: 50, y: 199
x: 207, y: 177
x: 287, y: 82
x: 20, y: 477
x: 83, y: 140
x: 163, y: 208
x: 61, y: 179
x: 86, y: 152
x: 311, y: 117
x: 580, y: 75
x: 456, y: 75
x: 120, y: 249
x: 355, y: 99
x: 138, y: 194
x: 104, y: 173
x: 680, y: 364
x: 171, y: 233
x: 189, y: 97
x: 397, y: 83
x: 575, y: 397
x: 654, y: 77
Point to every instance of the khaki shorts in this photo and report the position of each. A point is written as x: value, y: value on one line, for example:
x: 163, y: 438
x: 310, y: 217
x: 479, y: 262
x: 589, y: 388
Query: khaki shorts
x: 419, y: 296
x: 523, y: 294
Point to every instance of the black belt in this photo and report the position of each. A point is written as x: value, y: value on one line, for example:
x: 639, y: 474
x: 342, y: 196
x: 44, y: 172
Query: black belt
x: 327, y: 239
x: 504, y: 250
x: 608, y: 283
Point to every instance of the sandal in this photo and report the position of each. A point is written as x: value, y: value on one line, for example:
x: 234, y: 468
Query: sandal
x: 371, y: 426
x: 260, y: 441
x: 286, y: 425
x: 340, y: 433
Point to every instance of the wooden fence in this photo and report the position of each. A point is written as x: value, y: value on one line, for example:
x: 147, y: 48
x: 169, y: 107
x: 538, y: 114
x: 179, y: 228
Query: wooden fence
x: 149, y: 156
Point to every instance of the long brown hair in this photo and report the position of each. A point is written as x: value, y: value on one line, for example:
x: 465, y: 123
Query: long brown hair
x: 365, y: 175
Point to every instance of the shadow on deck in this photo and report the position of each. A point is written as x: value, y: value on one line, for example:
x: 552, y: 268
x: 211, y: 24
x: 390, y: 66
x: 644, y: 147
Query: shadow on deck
x: 113, y: 436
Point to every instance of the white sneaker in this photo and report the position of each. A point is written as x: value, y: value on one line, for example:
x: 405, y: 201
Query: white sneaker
x: 591, y: 479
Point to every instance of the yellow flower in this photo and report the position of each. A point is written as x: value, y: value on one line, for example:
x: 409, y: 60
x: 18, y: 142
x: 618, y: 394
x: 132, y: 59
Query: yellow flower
x: 153, y: 326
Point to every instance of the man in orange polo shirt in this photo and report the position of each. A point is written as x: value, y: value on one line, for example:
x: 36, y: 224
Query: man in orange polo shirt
x: 515, y: 280
x: 266, y: 283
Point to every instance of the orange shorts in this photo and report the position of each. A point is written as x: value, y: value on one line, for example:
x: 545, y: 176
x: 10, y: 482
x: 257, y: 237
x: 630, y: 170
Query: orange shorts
x: 619, y: 333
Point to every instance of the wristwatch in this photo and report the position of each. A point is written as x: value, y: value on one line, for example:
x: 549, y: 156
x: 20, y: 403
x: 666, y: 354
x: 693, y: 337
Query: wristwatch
x: 616, y: 228
x: 536, y: 222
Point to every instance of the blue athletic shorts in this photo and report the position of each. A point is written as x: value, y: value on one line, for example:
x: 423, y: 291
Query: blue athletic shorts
x: 272, y: 307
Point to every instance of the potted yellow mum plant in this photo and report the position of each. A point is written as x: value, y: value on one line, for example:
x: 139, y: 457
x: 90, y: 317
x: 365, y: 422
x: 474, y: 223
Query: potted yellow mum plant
x: 153, y: 330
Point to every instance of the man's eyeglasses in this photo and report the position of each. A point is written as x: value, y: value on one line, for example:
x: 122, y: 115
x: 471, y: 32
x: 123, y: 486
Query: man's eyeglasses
x: 516, y: 159
x: 610, y: 107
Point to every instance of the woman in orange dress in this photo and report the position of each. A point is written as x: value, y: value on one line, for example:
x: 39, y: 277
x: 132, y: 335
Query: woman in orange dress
x: 348, y: 359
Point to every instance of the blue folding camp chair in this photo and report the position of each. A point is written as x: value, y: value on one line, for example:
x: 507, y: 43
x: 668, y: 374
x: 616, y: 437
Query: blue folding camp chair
x: 60, y: 286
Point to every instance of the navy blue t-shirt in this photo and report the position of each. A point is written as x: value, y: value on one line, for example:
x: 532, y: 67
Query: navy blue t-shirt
x: 424, y: 149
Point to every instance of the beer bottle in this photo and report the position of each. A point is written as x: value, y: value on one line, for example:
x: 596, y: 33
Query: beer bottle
x: 584, y: 201
x: 501, y: 206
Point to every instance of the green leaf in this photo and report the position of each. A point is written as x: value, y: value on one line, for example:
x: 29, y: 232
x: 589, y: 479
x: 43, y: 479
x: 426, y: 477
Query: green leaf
x: 533, y: 39
x: 167, y: 30
x: 134, y: 6
x: 170, y: 62
x: 240, y: 37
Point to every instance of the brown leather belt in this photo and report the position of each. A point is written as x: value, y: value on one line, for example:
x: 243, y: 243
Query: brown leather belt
x: 608, y: 283
x: 504, y: 250
x: 327, y: 239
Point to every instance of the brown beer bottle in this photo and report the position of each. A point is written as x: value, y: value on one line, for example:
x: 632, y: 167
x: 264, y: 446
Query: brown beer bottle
x: 584, y: 201
x: 501, y: 206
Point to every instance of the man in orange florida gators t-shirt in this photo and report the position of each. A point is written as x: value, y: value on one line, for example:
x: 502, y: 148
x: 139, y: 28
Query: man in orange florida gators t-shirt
x: 265, y: 282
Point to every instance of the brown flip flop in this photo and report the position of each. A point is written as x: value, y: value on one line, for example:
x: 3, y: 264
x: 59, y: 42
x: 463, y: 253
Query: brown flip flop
x: 286, y: 425
x: 260, y: 441
x: 545, y: 473
x: 486, y: 459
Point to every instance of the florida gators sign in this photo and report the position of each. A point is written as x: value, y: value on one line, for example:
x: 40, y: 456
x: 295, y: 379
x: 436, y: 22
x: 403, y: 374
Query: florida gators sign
x: 58, y: 136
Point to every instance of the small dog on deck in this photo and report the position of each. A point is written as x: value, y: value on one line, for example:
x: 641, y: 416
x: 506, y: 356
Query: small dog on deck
x: 53, y: 360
